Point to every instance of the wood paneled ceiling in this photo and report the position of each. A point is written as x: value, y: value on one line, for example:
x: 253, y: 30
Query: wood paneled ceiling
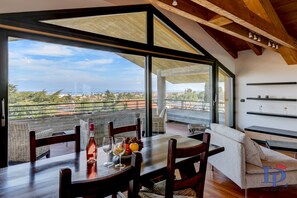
x: 230, y: 21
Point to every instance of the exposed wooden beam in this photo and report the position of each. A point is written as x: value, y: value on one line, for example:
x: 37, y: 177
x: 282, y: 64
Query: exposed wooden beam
x: 219, y: 20
x: 289, y: 55
x: 189, y: 9
x: 225, y: 44
x: 240, y: 14
x: 256, y: 7
x: 266, y: 11
x: 257, y: 49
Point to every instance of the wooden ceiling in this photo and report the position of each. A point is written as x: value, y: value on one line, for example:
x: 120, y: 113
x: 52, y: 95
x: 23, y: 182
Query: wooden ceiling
x: 230, y: 21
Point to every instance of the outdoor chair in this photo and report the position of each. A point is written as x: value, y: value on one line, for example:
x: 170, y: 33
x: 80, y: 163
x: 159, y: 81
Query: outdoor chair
x: 128, y: 178
x: 19, y: 142
x: 35, y: 143
x: 159, y: 122
x: 124, y: 129
x: 192, y: 182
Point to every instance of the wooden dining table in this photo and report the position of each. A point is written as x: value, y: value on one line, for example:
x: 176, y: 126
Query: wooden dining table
x: 41, y: 179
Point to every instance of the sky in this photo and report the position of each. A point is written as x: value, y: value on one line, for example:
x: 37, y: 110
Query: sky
x: 36, y: 66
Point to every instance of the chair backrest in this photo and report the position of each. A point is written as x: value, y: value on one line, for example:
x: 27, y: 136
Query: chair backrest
x: 113, y: 131
x: 128, y: 178
x: 34, y: 143
x: 195, y: 181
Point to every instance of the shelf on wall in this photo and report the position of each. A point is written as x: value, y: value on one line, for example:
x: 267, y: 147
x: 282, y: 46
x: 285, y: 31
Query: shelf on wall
x: 273, y: 83
x: 274, y: 99
x: 272, y: 114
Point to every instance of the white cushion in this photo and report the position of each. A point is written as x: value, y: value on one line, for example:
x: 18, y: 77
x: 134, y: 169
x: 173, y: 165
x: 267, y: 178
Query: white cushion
x: 274, y: 159
x: 251, y: 151
x: 252, y: 154
x: 261, y: 153
x: 228, y: 132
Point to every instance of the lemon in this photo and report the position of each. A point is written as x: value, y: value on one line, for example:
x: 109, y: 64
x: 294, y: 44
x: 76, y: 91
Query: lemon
x: 134, y: 147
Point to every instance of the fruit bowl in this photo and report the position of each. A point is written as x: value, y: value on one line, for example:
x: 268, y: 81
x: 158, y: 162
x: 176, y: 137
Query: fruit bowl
x: 132, y: 144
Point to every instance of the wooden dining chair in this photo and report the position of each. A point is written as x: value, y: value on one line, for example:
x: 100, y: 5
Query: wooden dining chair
x: 114, y: 131
x: 128, y: 178
x: 191, y: 185
x: 35, y: 143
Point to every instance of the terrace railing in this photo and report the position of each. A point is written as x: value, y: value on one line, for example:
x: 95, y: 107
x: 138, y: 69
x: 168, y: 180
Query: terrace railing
x: 58, y: 109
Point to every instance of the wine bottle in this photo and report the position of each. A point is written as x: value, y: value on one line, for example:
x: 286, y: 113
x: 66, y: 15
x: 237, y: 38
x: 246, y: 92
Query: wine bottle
x: 91, y: 147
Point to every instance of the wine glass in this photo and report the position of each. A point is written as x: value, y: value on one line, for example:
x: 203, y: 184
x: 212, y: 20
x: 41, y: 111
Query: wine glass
x: 119, y: 148
x: 107, y: 148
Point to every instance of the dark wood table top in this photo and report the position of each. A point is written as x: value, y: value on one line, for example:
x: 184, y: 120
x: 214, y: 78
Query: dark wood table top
x: 41, y: 179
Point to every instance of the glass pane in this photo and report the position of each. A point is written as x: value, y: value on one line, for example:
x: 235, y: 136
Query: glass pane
x: 225, y: 99
x: 165, y: 37
x: 131, y: 26
x: 181, y: 96
x: 57, y: 87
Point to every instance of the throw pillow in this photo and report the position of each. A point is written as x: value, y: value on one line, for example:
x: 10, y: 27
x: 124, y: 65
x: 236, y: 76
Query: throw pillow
x: 252, y: 154
x: 262, y: 155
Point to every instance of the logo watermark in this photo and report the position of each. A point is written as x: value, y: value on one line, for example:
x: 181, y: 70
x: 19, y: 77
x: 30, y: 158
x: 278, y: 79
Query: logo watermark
x: 280, y: 170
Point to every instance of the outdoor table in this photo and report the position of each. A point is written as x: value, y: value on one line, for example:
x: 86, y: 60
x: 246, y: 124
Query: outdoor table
x: 41, y: 179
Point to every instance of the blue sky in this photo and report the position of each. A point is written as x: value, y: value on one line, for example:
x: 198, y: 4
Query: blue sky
x: 35, y: 66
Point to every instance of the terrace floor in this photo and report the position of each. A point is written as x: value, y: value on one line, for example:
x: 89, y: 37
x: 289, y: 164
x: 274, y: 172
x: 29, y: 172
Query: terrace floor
x: 216, y: 185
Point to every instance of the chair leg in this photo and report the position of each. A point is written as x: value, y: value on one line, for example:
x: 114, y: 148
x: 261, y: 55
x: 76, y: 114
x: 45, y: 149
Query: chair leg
x: 245, y: 193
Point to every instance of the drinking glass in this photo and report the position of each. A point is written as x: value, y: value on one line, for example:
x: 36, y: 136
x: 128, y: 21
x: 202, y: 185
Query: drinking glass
x: 119, y: 148
x: 107, y: 148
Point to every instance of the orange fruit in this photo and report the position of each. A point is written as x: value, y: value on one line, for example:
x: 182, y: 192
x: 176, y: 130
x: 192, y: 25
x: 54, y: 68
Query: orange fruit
x: 134, y: 147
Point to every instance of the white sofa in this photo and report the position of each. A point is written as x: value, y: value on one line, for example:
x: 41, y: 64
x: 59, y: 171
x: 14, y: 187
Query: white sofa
x: 232, y: 162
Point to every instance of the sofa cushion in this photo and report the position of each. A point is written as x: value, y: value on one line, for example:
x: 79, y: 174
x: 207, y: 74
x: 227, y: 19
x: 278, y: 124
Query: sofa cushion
x: 262, y: 154
x: 274, y: 160
x: 251, y: 151
x: 228, y: 132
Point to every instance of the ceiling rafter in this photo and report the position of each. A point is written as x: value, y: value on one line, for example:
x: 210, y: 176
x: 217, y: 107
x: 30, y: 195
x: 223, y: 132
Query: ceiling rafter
x: 244, y: 22
x: 256, y: 49
x: 288, y: 54
x: 188, y: 10
x: 225, y: 44
x: 240, y: 14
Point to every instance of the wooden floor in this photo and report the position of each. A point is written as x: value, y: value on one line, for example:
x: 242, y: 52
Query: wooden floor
x: 216, y: 185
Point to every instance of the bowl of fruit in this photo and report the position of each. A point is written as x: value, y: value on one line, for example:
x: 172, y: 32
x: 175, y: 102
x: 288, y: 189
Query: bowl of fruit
x: 132, y: 144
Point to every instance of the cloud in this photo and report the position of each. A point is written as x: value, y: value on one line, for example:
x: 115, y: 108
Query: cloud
x: 46, y: 49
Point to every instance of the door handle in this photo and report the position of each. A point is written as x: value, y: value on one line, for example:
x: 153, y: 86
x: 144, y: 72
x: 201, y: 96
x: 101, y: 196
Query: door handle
x: 3, y: 112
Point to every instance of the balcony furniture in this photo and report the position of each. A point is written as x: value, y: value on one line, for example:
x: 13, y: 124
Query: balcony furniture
x: 159, y: 122
x: 196, y: 128
x: 35, y: 143
x: 124, y: 129
x: 19, y: 142
x: 233, y: 161
x: 40, y: 179
x: 189, y: 185
x: 102, y: 187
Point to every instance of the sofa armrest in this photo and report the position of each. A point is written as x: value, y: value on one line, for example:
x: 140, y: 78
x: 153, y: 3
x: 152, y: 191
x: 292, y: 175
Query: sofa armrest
x: 231, y: 162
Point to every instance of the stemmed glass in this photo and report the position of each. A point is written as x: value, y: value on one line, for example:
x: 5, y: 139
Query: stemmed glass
x: 107, y: 148
x: 119, y: 148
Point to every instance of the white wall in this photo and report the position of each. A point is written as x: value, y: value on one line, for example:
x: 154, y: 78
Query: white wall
x: 269, y: 67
